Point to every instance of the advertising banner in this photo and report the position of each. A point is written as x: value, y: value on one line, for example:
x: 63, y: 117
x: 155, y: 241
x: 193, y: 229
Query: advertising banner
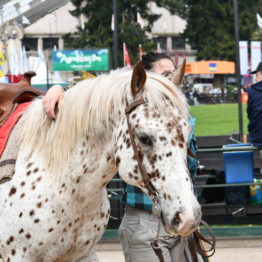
x: 255, y: 54
x: 210, y: 67
x: 76, y: 60
x: 243, y: 54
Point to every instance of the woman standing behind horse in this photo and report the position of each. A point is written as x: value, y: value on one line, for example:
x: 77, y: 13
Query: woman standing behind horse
x: 139, y: 226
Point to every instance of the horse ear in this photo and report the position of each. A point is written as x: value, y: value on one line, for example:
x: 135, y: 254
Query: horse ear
x: 178, y: 75
x: 138, y: 78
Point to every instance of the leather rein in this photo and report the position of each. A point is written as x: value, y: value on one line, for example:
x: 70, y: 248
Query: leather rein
x: 195, y: 238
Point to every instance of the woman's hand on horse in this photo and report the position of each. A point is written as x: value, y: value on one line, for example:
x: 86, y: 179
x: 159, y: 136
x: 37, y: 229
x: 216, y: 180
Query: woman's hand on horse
x: 54, y: 97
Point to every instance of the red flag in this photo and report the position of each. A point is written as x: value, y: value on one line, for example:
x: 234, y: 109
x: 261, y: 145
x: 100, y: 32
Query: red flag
x: 126, y: 57
x: 140, y: 52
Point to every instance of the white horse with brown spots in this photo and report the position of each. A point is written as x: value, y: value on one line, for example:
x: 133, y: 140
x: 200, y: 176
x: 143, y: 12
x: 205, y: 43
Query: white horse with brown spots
x: 55, y: 209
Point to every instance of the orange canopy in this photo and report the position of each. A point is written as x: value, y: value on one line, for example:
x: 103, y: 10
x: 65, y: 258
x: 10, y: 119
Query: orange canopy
x: 210, y: 67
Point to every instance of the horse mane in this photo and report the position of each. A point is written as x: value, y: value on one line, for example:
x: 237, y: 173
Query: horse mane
x: 89, y: 110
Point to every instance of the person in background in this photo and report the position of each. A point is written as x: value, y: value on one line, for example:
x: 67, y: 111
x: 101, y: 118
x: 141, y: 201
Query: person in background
x: 254, y: 111
x: 186, y: 91
x: 196, y: 97
x: 139, y: 226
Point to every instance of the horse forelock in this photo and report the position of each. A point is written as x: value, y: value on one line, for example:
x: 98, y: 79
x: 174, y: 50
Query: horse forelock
x: 90, y: 109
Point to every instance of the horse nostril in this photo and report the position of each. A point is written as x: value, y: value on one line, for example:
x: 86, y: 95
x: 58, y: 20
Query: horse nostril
x: 176, y: 220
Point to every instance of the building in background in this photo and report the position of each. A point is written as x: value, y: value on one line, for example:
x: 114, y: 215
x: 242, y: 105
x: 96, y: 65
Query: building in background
x: 48, y: 31
x: 168, y: 30
x: 39, y: 26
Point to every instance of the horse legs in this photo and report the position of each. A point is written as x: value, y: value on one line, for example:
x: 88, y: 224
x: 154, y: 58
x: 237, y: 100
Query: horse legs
x: 91, y: 257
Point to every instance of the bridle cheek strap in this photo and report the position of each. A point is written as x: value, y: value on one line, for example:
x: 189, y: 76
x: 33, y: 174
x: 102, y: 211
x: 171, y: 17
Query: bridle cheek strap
x: 145, y: 178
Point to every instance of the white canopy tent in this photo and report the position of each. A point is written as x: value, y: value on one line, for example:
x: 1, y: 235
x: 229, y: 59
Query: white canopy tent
x: 27, y: 10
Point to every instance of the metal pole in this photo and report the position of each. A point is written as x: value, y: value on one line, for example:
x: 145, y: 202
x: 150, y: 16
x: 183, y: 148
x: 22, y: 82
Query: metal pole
x: 115, y: 33
x: 240, y: 114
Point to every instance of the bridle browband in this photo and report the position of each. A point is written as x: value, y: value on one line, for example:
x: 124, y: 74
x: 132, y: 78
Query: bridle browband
x: 152, y: 191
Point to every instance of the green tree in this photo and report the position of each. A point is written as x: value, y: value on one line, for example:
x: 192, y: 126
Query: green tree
x: 97, y: 30
x: 210, y: 26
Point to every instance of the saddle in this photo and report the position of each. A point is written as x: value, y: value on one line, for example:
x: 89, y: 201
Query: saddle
x: 13, y: 101
x: 12, y: 94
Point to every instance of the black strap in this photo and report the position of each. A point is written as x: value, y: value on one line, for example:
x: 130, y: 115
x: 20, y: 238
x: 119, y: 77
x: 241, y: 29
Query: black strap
x: 157, y: 250
x: 192, y: 248
x: 134, y: 104
x: 212, y: 243
x: 7, y: 162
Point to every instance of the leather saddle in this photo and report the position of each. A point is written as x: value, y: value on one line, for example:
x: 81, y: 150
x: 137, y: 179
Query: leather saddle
x: 16, y: 93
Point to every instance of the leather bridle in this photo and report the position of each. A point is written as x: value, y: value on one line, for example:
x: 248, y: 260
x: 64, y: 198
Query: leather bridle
x: 154, y: 195
x: 152, y: 191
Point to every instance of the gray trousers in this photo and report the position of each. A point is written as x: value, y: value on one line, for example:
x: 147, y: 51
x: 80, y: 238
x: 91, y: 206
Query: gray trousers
x: 137, y: 229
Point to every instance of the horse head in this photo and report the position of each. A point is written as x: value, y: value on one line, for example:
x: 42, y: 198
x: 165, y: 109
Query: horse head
x: 151, y: 153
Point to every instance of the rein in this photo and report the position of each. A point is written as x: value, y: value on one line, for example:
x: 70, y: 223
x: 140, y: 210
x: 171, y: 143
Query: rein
x: 195, y: 244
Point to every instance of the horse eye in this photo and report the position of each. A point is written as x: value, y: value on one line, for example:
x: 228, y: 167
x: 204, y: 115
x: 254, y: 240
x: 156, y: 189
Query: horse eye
x: 145, y: 140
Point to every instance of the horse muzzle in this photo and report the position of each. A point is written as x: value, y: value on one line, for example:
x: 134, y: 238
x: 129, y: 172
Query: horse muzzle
x: 184, y: 222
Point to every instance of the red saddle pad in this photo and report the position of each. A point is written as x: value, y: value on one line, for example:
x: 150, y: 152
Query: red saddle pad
x: 7, y: 127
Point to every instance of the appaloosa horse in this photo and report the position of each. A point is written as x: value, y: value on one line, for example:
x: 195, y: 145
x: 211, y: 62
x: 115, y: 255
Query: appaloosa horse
x: 55, y: 208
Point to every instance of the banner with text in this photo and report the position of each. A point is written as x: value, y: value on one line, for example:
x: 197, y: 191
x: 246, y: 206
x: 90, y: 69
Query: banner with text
x: 243, y: 54
x: 75, y: 60
x: 255, y: 54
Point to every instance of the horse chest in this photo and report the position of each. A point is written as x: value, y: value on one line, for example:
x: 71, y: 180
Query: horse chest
x: 47, y: 218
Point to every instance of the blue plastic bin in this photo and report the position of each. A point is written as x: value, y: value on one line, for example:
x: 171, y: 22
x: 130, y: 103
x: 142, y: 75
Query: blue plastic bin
x: 239, y: 167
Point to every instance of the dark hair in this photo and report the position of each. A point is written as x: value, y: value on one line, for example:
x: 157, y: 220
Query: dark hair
x: 259, y: 69
x: 151, y: 58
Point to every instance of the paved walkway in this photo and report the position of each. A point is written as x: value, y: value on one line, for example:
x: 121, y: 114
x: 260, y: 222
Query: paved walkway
x: 233, y: 250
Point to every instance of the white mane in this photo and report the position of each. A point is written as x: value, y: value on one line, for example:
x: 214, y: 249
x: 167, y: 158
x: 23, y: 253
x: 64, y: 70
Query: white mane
x: 90, y: 109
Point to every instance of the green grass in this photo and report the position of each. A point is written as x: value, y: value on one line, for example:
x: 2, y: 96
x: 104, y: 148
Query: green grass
x: 220, y: 119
